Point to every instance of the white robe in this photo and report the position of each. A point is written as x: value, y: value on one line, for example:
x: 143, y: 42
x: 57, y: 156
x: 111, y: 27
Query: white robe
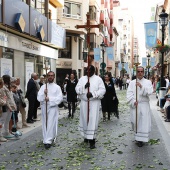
x: 144, y: 111
x: 97, y: 88
x: 55, y: 98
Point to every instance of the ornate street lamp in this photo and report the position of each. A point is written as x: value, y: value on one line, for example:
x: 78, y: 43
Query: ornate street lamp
x: 163, y: 22
x: 148, y: 66
x: 103, y: 64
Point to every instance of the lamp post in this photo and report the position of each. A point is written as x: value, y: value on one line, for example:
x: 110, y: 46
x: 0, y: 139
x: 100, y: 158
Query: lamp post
x: 163, y: 21
x: 103, y: 64
x: 148, y: 66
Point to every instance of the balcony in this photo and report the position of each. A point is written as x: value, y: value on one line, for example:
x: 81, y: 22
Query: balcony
x: 102, y: 17
x: 111, y: 4
x: 106, y: 4
x: 111, y: 17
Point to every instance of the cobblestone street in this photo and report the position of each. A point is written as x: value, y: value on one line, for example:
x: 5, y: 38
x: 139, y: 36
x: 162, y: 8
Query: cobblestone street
x: 115, y: 147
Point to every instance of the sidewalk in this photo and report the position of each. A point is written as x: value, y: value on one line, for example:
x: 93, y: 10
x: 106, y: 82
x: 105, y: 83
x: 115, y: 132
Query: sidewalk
x: 63, y: 113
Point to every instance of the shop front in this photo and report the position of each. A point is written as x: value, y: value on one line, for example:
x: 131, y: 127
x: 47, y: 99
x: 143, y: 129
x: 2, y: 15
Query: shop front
x: 20, y: 57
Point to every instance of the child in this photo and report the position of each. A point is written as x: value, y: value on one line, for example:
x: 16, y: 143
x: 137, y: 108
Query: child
x: 2, y: 109
x: 16, y: 99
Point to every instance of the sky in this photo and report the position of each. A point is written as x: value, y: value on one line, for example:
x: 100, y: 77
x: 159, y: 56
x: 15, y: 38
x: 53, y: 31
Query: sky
x: 140, y: 10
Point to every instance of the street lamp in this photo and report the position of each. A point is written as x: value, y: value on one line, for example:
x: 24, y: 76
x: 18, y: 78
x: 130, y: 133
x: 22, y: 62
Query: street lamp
x: 163, y: 21
x: 103, y: 64
x: 148, y: 66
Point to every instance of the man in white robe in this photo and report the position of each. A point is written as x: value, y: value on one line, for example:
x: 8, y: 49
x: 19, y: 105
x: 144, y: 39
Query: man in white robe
x: 96, y: 92
x: 53, y: 99
x: 144, y: 89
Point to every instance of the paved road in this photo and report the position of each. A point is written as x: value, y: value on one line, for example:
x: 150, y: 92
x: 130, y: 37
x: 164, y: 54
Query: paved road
x: 115, y: 147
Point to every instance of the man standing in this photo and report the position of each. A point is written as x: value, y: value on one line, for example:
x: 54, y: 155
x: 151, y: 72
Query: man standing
x: 144, y: 89
x: 54, y: 97
x: 31, y: 95
x: 96, y: 92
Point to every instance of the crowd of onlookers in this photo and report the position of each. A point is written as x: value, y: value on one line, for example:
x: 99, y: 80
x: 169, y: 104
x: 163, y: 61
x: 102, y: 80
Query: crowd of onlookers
x: 12, y: 102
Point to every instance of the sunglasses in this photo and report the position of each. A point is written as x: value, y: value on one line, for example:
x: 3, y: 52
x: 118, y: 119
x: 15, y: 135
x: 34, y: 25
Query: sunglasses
x: 140, y: 71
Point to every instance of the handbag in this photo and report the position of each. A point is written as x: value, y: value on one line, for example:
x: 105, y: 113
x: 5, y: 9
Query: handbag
x: 23, y: 103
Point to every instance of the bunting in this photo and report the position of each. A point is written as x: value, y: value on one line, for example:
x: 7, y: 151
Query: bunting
x: 96, y: 54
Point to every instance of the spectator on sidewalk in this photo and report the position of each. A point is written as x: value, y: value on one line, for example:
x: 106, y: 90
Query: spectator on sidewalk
x: 16, y: 111
x: 53, y: 99
x: 41, y: 82
x: 3, y: 104
x: 124, y: 82
x: 95, y: 94
x: 144, y: 89
x: 31, y: 95
x: 127, y: 82
x: 9, y: 108
x: 21, y: 106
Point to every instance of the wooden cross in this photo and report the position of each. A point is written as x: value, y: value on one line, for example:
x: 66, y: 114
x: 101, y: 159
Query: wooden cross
x: 88, y: 27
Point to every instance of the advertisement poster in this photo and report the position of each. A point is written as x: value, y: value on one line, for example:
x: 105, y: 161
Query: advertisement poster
x: 29, y: 66
x: 6, y: 67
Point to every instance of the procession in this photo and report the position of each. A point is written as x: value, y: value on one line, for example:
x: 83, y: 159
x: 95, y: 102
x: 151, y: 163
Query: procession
x: 84, y: 85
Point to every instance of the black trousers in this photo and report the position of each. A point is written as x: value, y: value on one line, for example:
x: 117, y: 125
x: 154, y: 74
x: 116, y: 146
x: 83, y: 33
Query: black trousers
x: 31, y: 108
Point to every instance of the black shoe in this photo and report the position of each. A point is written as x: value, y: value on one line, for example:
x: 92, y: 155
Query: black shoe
x: 86, y: 140
x: 72, y: 116
x: 30, y: 121
x: 33, y: 120
x: 140, y: 144
x: 92, y: 143
x: 167, y: 120
x: 47, y: 146
x: 69, y: 115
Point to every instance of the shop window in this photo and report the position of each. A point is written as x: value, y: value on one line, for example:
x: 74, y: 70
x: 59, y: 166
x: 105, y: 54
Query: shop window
x: 7, y: 63
x: 66, y: 53
x: 72, y: 10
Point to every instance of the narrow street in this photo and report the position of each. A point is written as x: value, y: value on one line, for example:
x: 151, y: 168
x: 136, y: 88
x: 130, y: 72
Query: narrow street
x: 115, y: 147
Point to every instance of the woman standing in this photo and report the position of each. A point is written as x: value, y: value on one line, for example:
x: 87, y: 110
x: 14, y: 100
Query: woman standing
x: 71, y: 94
x: 9, y: 108
x: 110, y: 101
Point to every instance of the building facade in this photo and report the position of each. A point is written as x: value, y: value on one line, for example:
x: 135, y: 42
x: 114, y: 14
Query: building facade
x: 28, y: 37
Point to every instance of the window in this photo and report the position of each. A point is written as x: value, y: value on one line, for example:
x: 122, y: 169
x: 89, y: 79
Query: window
x: 40, y: 6
x: 72, y: 10
x: 93, y: 12
x: 66, y: 53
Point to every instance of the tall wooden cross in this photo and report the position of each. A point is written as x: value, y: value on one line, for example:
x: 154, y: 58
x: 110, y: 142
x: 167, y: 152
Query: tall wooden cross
x: 88, y: 27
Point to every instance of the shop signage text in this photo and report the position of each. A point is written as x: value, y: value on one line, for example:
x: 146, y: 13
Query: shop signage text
x: 30, y: 46
x: 64, y: 64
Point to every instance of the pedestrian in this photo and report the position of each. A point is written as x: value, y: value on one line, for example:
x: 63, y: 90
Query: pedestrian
x: 41, y: 82
x: 3, y: 104
x: 54, y: 98
x: 22, y: 103
x: 109, y: 101
x: 120, y: 82
x: 124, y: 82
x: 96, y: 92
x: 144, y: 89
x: 127, y: 82
x: 9, y: 107
x: 16, y: 111
x: 71, y: 95
x: 31, y: 95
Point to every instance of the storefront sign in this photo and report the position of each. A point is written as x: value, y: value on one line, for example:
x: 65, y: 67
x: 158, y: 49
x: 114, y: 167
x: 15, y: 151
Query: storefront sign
x: 30, y: 46
x: 63, y: 64
x: 18, y: 43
